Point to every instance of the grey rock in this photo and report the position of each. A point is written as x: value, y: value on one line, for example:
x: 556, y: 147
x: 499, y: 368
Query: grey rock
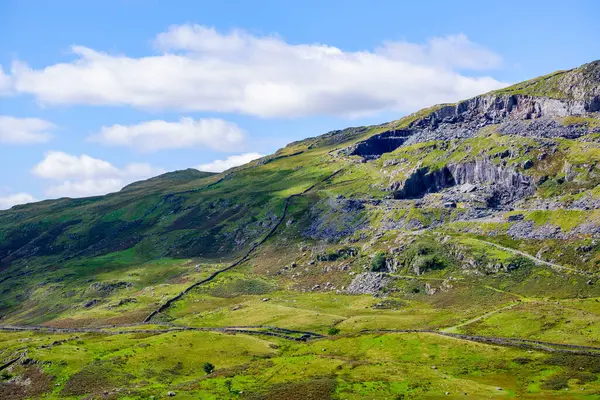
x: 527, y: 164
x: 502, y: 185
x: 91, y: 303
x: 368, y: 283
x: 515, y: 217
x: 467, y: 188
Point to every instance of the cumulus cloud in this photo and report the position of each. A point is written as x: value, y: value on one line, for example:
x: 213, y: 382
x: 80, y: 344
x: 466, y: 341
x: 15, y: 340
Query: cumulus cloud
x: 230, y: 162
x: 452, y: 51
x: 14, y: 199
x: 24, y: 130
x: 5, y: 83
x: 201, y: 69
x: 156, y: 135
x: 79, y: 176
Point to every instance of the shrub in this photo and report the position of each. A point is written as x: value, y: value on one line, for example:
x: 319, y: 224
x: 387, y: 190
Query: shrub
x: 378, y: 262
x: 556, y: 382
x: 208, y: 368
x: 338, y: 254
x: 426, y: 255
x: 333, y: 331
x: 428, y: 262
x: 518, y: 262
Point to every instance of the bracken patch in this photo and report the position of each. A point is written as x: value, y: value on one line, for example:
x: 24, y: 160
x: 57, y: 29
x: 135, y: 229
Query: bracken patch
x: 317, y: 389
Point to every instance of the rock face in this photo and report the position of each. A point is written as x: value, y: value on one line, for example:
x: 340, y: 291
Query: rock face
x: 336, y: 218
x: 567, y: 93
x: 504, y: 184
x: 377, y: 145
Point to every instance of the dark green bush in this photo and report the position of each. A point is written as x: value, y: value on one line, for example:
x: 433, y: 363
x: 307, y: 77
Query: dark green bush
x: 378, y: 262
x: 427, y: 255
x: 333, y: 331
x: 208, y: 367
x: 338, y: 254
x: 519, y: 262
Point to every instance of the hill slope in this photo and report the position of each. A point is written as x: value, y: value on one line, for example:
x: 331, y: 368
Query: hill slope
x: 479, y: 218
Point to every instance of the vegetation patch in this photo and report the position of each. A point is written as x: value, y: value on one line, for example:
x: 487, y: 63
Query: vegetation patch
x: 235, y: 287
x: 316, y: 389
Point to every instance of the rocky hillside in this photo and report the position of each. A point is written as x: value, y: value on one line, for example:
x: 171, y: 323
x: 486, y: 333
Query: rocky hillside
x: 517, y: 167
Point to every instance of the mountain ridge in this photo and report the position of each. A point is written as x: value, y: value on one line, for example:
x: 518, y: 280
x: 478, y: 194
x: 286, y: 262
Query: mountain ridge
x: 477, y: 221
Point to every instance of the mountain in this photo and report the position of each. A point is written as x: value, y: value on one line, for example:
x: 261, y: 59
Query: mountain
x: 470, y: 222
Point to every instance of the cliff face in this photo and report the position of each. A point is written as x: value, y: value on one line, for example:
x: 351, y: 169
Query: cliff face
x: 533, y: 109
x: 502, y: 185
x: 563, y: 105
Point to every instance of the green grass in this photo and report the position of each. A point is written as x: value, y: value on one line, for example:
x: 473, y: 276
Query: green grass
x: 387, y: 366
x: 589, y: 122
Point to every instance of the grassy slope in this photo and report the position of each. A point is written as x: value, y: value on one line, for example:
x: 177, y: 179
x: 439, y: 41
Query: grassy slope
x: 112, y: 259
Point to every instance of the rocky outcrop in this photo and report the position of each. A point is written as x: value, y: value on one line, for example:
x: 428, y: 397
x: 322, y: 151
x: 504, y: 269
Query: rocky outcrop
x: 336, y: 218
x: 528, y: 230
x: 377, y: 145
x: 504, y: 184
x: 536, y: 114
x: 515, y: 114
x: 368, y: 283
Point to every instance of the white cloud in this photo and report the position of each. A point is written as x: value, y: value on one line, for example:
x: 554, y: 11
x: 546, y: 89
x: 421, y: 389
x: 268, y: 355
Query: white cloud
x: 78, y: 176
x: 204, y: 70
x: 230, y: 162
x: 10, y: 200
x: 59, y: 165
x: 452, y: 51
x: 156, y: 135
x: 5, y: 83
x: 24, y: 130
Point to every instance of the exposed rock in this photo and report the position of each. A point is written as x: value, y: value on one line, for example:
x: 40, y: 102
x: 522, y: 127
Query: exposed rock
x: 527, y: 164
x: 377, y: 145
x: 368, y: 283
x: 430, y: 290
x: 467, y: 188
x: 528, y: 230
x: 515, y: 114
x: 126, y: 301
x: 503, y: 185
x: 336, y: 218
x: 515, y: 217
x: 106, y: 288
x: 91, y: 303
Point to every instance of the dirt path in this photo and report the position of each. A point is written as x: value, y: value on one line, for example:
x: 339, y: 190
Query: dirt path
x: 306, y: 336
x: 288, y: 334
x: 454, y: 329
x: 286, y: 205
x: 535, y: 259
x: 500, y: 341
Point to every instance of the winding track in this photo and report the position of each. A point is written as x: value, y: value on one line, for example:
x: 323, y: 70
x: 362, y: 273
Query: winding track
x: 502, y: 341
x: 452, y: 329
x: 535, y: 259
x: 248, y: 330
x: 286, y: 205
x: 307, y: 336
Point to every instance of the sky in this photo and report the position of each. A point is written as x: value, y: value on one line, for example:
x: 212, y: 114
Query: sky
x: 97, y: 94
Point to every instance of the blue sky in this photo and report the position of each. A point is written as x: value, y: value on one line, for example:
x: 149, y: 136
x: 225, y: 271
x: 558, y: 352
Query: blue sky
x: 96, y: 94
